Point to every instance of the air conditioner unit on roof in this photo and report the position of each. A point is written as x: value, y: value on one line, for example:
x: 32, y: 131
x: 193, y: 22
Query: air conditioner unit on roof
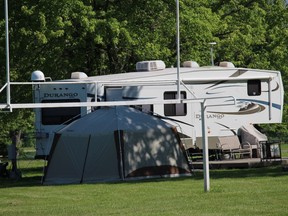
x: 78, y: 75
x: 150, y: 65
x: 227, y: 64
x: 190, y: 64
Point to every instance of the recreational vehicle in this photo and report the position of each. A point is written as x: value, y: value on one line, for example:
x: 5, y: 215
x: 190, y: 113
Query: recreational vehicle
x: 233, y: 97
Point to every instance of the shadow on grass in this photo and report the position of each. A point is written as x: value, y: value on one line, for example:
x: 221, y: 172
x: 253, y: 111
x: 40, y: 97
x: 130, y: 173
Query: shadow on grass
x: 30, y: 181
x: 29, y: 177
x: 35, y: 176
x: 272, y: 171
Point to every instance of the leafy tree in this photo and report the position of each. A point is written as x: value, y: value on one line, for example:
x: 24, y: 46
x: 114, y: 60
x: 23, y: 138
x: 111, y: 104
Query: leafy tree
x: 41, y: 37
x: 254, y: 34
x: 199, y: 26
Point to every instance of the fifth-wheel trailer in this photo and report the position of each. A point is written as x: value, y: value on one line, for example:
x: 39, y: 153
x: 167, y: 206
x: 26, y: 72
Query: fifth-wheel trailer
x: 234, y: 97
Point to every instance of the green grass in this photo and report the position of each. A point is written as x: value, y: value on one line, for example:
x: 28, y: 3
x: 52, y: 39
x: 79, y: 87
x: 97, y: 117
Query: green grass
x: 259, y: 191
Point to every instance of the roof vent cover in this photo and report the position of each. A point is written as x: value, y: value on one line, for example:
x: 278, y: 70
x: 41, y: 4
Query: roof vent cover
x: 227, y: 64
x: 191, y: 64
x: 150, y: 65
x: 78, y: 75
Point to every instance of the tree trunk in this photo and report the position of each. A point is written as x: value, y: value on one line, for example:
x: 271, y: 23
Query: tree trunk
x: 16, y: 142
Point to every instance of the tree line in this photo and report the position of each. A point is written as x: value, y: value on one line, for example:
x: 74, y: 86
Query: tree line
x: 109, y: 36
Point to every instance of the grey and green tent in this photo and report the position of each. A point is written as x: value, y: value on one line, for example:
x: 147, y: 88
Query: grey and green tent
x: 112, y: 144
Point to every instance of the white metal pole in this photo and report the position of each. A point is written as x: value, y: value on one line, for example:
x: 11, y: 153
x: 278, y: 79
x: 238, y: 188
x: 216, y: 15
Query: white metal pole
x: 7, y: 54
x: 205, y: 149
x: 212, y: 59
x: 211, y: 52
x: 178, y: 50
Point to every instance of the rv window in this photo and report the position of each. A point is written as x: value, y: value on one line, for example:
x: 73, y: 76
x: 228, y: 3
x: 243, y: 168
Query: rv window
x: 61, y: 115
x: 254, y: 87
x: 147, y: 108
x: 174, y: 109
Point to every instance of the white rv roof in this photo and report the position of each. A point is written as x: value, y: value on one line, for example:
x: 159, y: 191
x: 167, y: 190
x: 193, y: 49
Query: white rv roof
x: 170, y: 74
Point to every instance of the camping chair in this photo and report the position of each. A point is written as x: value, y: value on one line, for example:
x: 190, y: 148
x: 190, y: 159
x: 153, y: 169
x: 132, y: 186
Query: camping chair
x: 192, y: 151
x: 231, y: 145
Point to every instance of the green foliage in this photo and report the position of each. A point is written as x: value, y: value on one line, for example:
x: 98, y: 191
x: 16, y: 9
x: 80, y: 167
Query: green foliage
x: 278, y: 131
x: 100, y: 37
x: 21, y: 120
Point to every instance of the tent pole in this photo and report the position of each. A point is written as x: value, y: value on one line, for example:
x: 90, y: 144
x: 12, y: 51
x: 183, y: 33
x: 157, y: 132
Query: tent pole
x: 120, y: 146
x: 121, y: 158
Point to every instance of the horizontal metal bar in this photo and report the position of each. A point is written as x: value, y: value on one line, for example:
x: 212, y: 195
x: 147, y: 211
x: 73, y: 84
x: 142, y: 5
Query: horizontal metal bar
x: 86, y: 104
x: 115, y: 103
x: 102, y: 103
x: 233, y: 102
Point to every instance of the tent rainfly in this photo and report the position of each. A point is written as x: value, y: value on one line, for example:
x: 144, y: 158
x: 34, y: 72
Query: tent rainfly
x: 113, y: 144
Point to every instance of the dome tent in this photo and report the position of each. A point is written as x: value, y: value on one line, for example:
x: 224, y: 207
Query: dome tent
x: 112, y: 144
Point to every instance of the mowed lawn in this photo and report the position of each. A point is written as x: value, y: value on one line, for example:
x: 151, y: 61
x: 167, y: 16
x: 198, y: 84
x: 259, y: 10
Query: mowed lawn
x: 259, y: 191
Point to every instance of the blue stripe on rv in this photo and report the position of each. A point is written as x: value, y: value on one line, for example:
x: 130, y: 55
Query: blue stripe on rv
x: 274, y: 105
